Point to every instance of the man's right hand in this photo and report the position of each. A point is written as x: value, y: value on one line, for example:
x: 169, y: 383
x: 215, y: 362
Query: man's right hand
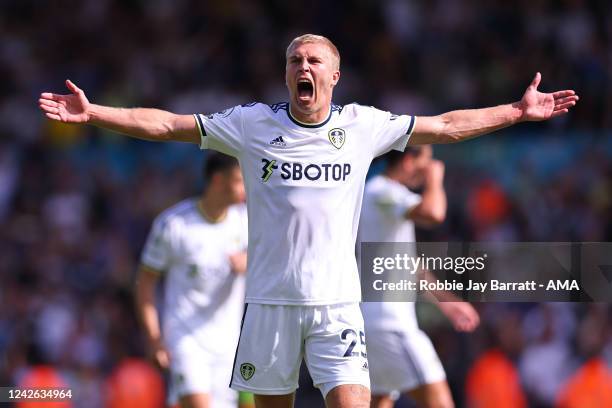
x: 238, y: 262
x: 160, y: 355
x: 71, y: 108
x: 462, y: 315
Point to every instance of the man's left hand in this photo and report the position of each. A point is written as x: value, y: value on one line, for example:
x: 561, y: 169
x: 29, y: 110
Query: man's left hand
x: 537, y: 106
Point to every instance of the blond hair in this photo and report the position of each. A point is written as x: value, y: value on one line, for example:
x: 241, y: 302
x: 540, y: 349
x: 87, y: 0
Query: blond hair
x: 314, y: 38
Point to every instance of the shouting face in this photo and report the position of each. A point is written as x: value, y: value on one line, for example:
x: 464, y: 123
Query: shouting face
x: 311, y: 74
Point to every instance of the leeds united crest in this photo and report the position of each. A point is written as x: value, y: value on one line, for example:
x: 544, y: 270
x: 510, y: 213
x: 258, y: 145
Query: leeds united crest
x: 337, y: 137
x: 247, y: 370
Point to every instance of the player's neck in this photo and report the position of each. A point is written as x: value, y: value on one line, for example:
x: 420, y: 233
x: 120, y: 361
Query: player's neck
x: 313, y: 118
x: 212, y: 208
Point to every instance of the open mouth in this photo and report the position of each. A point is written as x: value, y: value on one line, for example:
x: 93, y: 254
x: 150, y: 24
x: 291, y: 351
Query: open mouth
x: 305, y: 89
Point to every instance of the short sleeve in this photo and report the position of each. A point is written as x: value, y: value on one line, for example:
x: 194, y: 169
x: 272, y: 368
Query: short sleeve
x: 397, y: 203
x: 222, y: 131
x: 157, y: 250
x: 391, y: 132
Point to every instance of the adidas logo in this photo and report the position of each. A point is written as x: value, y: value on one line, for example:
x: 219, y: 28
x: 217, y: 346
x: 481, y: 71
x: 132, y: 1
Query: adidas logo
x: 278, y: 142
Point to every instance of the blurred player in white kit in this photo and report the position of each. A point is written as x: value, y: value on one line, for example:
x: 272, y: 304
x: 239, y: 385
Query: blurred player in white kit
x: 401, y: 356
x: 198, y: 246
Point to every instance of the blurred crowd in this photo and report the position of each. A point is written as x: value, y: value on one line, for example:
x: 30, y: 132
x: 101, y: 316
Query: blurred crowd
x: 76, y: 202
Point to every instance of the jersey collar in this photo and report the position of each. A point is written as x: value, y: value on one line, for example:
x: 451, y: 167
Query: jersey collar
x: 309, y: 125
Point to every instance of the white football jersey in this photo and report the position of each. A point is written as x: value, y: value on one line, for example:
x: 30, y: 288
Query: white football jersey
x: 304, y: 186
x: 385, y: 203
x: 203, y: 298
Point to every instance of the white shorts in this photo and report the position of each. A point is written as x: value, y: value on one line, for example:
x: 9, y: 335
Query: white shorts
x: 193, y: 370
x: 275, y: 338
x: 401, y: 361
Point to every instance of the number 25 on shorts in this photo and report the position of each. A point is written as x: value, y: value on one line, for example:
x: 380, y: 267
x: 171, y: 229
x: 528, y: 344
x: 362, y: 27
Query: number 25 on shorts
x: 350, y: 336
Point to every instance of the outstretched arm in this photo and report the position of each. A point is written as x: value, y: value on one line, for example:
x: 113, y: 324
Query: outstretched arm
x: 142, y: 123
x: 460, y: 125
